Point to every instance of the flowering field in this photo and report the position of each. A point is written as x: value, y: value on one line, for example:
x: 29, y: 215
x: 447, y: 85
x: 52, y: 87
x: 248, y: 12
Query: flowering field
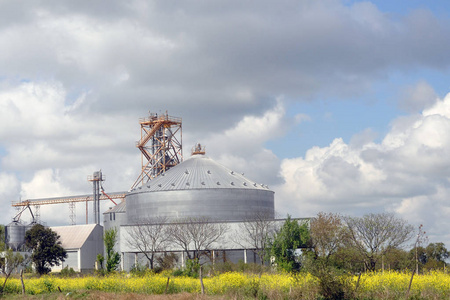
x: 394, y: 285
x: 387, y: 285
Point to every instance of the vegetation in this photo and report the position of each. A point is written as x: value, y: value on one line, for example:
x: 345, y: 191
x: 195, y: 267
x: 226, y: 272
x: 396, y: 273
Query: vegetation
x: 374, y: 235
x: 286, y: 242
x: 196, y: 236
x: 238, y: 285
x: 46, y: 248
x: 2, y: 237
x: 432, y: 257
x: 112, y: 257
x: 150, y: 237
x: 257, y: 231
x: 8, y: 264
x: 332, y: 257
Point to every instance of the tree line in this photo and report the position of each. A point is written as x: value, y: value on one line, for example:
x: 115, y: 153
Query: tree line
x: 326, y: 242
x: 372, y: 242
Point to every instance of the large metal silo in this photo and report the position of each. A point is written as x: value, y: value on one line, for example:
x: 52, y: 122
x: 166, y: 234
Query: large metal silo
x: 199, y: 187
x: 15, y: 235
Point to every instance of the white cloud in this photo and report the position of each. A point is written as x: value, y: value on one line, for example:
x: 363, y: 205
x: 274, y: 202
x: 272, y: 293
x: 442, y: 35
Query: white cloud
x: 242, y: 148
x: 52, y: 145
x: 9, y: 192
x: 408, y: 172
x: 45, y: 182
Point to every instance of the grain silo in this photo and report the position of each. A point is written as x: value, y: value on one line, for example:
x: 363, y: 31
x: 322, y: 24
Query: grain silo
x: 199, y: 187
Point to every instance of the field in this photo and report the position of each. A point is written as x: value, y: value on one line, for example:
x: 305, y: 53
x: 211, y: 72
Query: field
x: 235, y: 285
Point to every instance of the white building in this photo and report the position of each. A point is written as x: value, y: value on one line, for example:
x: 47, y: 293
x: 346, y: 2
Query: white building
x: 82, y: 243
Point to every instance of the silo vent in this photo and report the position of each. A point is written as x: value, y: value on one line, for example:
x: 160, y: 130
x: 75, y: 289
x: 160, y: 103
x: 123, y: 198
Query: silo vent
x: 232, y: 172
x: 245, y: 183
x: 218, y: 183
x: 232, y: 183
x: 173, y: 184
x: 148, y: 185
x: 187, y: 172
x: 159, y: 185
x: 209, y: 172
x: 187, y: 183
x: 203, y: 183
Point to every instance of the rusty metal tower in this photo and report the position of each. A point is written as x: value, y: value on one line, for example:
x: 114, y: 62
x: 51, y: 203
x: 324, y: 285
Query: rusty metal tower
x: 160, y: 146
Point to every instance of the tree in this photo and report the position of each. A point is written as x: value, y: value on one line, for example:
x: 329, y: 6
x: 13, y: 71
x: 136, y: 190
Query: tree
x: 2, y: 238
x: 150, y: 237
x: 197, y: 235
x: 283, y: 248
x: 46, y: 248
x: 112, y: 257
x: 257, y: 231
x: 430, y: 257
x: 420, y: 239
x: 8, y: 263
x: 328, y: 234
x: 374, y: 235
x: 437, y: 251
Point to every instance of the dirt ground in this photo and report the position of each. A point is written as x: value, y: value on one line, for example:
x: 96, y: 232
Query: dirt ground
x: 94, y: 295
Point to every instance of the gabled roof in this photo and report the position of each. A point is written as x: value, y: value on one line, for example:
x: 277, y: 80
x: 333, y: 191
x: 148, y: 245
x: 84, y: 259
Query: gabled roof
x: 199, y: 172
x: 74, y: 237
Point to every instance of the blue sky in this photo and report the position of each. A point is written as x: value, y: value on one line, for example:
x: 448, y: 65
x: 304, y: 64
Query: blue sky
x: 339, y: 106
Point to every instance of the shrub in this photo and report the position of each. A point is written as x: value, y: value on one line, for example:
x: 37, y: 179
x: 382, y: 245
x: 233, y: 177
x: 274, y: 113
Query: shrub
x: 67, y: 272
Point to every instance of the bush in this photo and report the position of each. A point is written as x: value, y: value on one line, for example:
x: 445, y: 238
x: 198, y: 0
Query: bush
x: 67, y: 272
x: 138, y: 270
x: 334, y: 286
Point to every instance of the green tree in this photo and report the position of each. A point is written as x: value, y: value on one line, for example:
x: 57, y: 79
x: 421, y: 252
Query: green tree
x: 396, y: 259
x: 112, y: 257
x: 437, y: 251
x: 286, y: 242
x: 2, y: 237
x: 431, y: 257
x: 46, y: 248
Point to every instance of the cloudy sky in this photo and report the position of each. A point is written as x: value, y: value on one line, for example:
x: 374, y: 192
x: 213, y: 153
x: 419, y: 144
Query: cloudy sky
x: 338, y: 106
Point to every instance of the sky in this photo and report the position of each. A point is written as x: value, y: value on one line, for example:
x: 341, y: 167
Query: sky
x: 338, y: 106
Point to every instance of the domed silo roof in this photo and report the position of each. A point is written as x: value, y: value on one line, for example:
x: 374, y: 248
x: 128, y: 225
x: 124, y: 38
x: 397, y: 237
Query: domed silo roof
x: 199, y: 187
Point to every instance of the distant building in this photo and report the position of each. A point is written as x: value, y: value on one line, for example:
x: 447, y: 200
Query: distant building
x: 82, y: 243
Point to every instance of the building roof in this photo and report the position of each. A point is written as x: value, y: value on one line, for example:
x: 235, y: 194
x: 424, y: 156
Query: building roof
x: 119, y: 208
x: 74, y: 237
x: 199, y: 172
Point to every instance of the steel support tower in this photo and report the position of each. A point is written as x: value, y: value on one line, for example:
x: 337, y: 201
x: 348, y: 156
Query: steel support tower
x: 160, y: 146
